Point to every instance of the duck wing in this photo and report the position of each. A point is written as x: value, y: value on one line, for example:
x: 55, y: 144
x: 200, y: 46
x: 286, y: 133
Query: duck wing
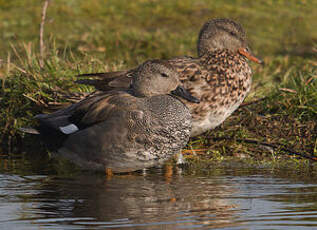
x: 107, y: 81
x: 83, y: 114
x: 97, y: 118
x: 122, y: 79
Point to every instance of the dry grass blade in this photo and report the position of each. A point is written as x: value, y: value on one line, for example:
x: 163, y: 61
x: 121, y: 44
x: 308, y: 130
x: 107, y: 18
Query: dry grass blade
x: 287, y: 90
x: 42, y: 46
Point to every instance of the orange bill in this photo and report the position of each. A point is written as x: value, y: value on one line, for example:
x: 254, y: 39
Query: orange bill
x: 249, y: 56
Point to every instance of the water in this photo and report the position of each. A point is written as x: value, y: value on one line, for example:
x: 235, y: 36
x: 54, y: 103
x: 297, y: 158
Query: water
x: 224, y: 197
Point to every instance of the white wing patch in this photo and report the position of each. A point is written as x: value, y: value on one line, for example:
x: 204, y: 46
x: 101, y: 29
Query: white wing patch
x: 68, y: 129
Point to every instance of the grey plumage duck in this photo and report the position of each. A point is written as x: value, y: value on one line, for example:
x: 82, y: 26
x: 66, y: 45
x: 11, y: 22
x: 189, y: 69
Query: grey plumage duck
x: 220, y: 77
x: 123, y: 130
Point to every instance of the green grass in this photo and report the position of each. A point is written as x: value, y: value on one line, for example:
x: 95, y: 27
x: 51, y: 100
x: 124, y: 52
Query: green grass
x: 88, y: 36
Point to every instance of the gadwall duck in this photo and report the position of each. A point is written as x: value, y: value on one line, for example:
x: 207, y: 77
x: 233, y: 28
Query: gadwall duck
x: 123, y: 130
x: 220, y: 77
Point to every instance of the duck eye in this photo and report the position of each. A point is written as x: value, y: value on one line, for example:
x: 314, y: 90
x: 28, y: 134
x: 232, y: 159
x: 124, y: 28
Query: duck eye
x: 164, y: 75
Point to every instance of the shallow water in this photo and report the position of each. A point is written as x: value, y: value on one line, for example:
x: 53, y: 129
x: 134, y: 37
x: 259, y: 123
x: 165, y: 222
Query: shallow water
x: 225, y: 197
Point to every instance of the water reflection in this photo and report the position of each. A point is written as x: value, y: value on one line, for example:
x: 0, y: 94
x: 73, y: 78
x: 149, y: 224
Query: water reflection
x: 138, y: 200
x: 233, y: 199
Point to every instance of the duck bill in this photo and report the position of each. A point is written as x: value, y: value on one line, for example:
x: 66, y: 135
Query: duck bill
x: 181, y: 92
x: 249, y: 56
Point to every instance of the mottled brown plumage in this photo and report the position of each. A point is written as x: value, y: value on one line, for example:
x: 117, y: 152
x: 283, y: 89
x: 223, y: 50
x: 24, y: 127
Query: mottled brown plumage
x: 123, y: 130
x: 220, y: 76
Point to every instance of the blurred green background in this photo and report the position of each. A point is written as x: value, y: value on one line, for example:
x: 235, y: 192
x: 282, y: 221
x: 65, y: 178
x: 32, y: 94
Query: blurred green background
x: 132, y: 31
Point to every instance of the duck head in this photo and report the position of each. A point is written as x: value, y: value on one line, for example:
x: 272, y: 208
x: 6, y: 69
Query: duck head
x: 220, y: 34
x: 158, y: 77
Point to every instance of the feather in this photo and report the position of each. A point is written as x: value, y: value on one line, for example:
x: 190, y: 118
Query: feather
x: 68, y: 129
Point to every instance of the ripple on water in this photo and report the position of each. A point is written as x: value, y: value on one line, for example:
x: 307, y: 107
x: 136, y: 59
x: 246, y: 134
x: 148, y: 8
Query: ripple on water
x: 231, y: 200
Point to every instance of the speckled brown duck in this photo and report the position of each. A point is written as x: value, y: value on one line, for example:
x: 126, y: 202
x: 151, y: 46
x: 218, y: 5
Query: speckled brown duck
x: 220, y: 76
x: 123, y: 130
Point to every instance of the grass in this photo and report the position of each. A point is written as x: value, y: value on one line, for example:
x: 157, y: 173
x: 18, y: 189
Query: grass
x: 91, y: 36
